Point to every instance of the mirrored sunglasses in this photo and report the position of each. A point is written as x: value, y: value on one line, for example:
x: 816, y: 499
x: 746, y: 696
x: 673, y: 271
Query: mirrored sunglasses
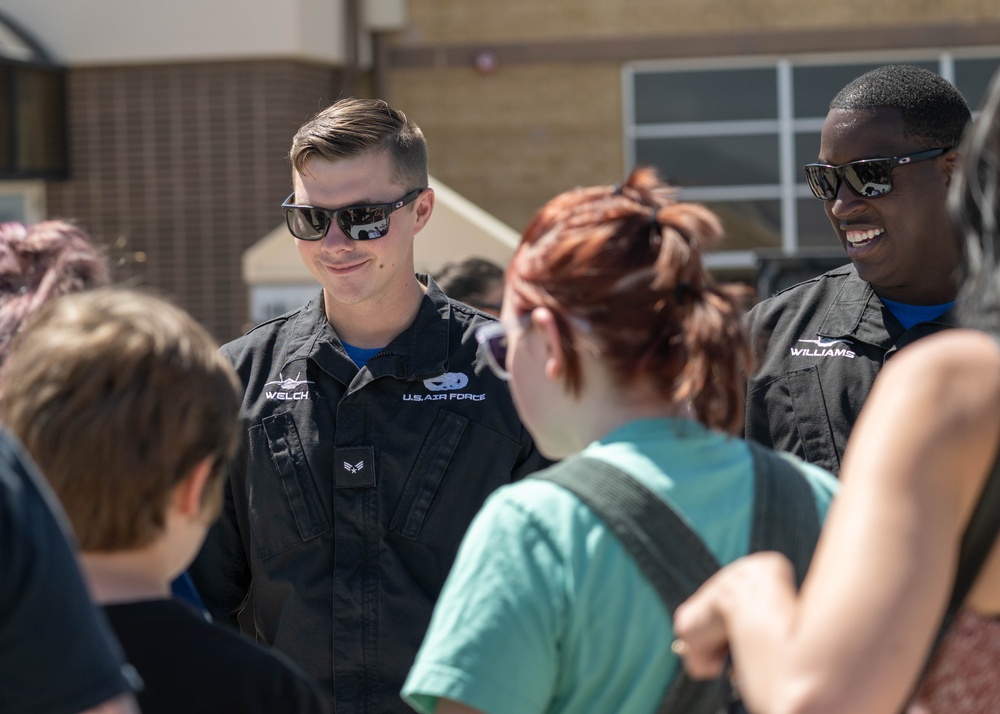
x: 493, y: 337
x: 867, y: 178
x: 362, y: 222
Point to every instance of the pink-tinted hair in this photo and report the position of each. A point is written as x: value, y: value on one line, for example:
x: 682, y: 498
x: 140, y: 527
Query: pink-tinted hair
x: 39, y: 262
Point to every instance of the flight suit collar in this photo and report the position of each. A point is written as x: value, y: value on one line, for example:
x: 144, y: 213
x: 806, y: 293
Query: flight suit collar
x: 858, y: 313
x: 418, y: 352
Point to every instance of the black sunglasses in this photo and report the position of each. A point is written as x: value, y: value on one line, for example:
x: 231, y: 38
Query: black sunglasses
x: 493, y: 337
x: 867, y: 178
x: 362, y: 222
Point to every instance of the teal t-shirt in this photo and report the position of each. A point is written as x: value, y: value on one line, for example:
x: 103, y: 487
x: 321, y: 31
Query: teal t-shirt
x: 545, y: 611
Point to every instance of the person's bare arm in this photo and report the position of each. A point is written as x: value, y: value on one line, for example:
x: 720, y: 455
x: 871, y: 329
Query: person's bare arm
x: 856, y: 637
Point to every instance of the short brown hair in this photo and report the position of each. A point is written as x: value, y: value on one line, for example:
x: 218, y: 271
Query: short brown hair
x: 117, y: 395
x: 354, y: 127
x: 627, y: 260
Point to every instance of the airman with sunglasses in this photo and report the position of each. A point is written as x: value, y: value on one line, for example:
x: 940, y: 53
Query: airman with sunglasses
x: 886, y: 157
x: 374, y: 429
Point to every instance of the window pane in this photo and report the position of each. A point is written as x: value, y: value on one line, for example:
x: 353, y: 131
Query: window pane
x: 815, y: 229
x: 12, y: 207
x: 815, y: 87
x: 972, y: 77
x: 710, y: 95
x: 41, y: 121
x: 749, y: 224
x: 712, y: 161
x: 806, y: 152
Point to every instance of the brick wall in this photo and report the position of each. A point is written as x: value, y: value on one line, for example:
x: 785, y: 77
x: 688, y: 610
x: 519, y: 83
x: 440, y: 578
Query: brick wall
x: 550, y: 115
x: 463, y: 21
x: 511, y: 140
x: 177, y: 169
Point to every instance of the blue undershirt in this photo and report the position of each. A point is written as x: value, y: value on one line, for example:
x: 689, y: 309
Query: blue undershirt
x: 910, y: 315
x: 183, y: 589
x: 360, y: 355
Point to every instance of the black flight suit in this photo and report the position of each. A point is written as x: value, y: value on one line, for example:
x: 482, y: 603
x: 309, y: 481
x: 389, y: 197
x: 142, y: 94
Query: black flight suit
x: 820, y: 344
x: 353, y: 488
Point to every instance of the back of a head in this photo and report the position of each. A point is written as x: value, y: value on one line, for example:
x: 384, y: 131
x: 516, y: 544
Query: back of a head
x: 626, y: 262
x: 933, y: 110
x: 974, y: 200
x: 39, y: 262
x: 470, y: 280
x: 117, y: 395
x: 356, y: 127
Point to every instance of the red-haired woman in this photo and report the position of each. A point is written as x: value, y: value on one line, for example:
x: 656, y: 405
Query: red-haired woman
x: 619, y: 346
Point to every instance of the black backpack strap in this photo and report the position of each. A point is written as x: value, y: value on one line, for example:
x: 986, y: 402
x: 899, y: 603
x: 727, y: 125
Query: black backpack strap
x: 671, y: 555
x: 668, y: 552
x: 785, y: 517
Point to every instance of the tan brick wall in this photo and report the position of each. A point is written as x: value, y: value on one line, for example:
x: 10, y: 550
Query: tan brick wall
x: 185, y: 165
x: 551, y: 114
x: 465, y: 21
x: 509, y: 141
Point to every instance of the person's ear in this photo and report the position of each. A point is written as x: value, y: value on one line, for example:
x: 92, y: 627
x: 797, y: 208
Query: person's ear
x: 952, y: 163
x: 423, y: 209
x: 555, y: 356
x: 188, y: 493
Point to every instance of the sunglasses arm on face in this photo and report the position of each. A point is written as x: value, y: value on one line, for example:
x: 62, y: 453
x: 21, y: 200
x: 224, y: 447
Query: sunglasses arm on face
x: 493, y: 339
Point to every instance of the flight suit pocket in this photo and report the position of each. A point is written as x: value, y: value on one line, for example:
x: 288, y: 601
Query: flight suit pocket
x: 812, y: 420
x: 285, y: 505
x: 460, y: 463
x: 427, y: 473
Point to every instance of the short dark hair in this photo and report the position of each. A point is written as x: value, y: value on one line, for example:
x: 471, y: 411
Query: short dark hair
x: 933, y: 110
x: 355, y: 127
x: 469, y: 280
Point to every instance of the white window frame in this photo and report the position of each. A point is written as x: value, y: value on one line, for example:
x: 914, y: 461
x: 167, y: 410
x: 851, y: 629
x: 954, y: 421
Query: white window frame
x: 786, y: 126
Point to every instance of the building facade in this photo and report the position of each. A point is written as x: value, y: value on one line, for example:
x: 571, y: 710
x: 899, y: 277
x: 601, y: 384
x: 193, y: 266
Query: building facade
x: 178, y: 116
